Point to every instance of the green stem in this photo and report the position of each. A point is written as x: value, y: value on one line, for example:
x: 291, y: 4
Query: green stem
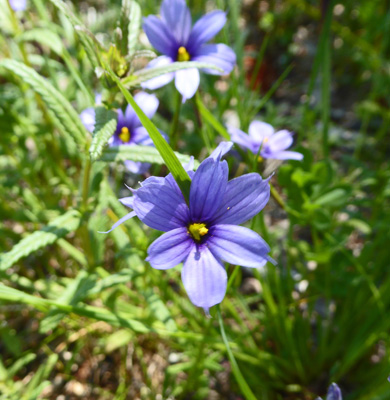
x: 201, y: 127
x: 85, y: 184
x: 175, y: 121
x: 246, y: 390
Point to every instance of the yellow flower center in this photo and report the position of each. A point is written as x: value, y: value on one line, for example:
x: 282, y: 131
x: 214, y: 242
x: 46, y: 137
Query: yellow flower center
x: 183, y: 54
x: 124, y: 135
x: 265, y: 140
x: 197, y: 230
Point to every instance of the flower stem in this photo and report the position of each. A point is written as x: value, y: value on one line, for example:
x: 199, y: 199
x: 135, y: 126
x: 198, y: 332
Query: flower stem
x: 201, y: 126
x: 246, y: 390
x: 175, y: 121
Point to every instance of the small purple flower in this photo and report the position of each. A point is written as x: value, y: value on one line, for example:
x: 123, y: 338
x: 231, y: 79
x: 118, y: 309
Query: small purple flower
x: 205, y: 233
x: 18, y: 5
x: 263, y: 137
x: 174, y: 37
x: 129, y: 130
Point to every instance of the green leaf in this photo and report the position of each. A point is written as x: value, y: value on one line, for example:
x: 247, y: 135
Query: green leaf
x: 210, y: 119
x: 44, y: 37
x: 140, y: 153
x: 58, y: 228
x: 65, y: 117
x: 87, y: 38
x: 104, y: 128
x: 172, y: 162
x: 134, y: 26
x: 148, y: 73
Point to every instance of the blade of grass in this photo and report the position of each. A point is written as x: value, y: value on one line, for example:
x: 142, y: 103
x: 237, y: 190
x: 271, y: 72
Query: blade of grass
x: 246, y: 390
x: 172, y: 162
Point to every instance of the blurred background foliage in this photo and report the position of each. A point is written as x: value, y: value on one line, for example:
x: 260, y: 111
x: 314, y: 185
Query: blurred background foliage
x: 83, y: 316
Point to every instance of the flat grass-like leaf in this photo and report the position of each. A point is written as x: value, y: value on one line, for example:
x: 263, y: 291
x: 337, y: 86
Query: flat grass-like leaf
x: 147, y: 154
x: 104, y: 128
x: 57, y: 228
x: 64, y: 115
x: 172, y: 162
x: 145, y: 74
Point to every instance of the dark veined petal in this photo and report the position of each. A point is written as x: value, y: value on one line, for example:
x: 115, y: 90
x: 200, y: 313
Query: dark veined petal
x: 238, y: 245
x: 207, y: 189
x: 280, y: 141
x: 121, y: 221
x: 187, y: 82
x: 160, y: 207
x: 244, y: 197
x: 243, y: 140
x: 205, y: 29
x: 177, y: 16
x: 160, y: 36
x: 161, y: 80
x: 204, y: 278
x: 220, y: 55
x: 170, y: 249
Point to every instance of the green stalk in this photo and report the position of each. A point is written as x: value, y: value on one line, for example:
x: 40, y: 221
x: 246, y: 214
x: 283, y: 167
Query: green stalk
x: 175, y: 121
x: 246, y: 390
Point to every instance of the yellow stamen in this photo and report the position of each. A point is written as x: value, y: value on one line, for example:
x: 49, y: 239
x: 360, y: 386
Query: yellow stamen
x: 196, y: 230
x: 124, y: 135
x: 265, y: 140
x: 182, y: 54
x: 260, y: 159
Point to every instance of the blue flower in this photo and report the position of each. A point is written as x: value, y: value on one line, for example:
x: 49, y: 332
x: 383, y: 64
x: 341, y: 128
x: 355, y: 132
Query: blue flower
x: 205, y: 233
x: 129, y: 130
x: 18, y: 5
x: 263, y: 137
x: 334, y: 393
x: 174, y: 37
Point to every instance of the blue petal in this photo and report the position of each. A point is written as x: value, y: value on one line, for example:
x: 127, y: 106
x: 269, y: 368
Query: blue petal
x: 161, y: 80
x: 334, y: 392
x: 160, y: 36
x: 207, y: 189
x: 88, y: 118
x: 160, y: 207
x: 221, y: 150
x: 18, y: 5
x: 121, y: 221
x: 280, y: 141
x: 187, y: 82
x: 170, y: 249
x: 204, y: 278
x: 283, y: 155
x: 245, y: 197
x: 176, y: 15
x: 259, y: 130
x: 243, y: 140
x: 136, y: 167
x: 127, y: 201
x: 220, y: 55
x: 205, y: 29
x: 238, y: 245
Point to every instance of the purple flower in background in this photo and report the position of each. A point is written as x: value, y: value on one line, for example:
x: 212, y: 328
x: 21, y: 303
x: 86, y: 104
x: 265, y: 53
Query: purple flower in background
x: 174, y: 37
x: 205, y: 233
x: 334, y: 393
x: 129, y: 130
x: 263, y: 137
x: 18, y: 5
